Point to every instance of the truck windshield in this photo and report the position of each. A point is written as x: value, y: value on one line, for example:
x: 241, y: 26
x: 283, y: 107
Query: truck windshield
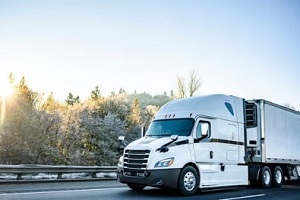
x: 168, y: 127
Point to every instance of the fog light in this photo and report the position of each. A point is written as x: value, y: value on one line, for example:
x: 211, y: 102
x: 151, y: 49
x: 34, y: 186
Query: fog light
x: 159, y: 182
x: 146, y: 174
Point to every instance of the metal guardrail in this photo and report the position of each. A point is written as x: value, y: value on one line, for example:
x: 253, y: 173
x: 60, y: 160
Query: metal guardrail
x: 21, y: 170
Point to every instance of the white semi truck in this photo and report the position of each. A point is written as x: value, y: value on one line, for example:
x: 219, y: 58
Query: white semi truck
x: 215, y: 141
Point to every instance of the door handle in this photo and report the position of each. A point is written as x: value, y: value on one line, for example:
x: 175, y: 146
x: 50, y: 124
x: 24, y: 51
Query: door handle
x: 211, y: 154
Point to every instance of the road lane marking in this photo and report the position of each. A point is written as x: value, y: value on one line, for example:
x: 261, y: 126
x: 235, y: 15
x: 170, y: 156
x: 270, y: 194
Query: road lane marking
x: 58, y: 191
x: 245, y: 197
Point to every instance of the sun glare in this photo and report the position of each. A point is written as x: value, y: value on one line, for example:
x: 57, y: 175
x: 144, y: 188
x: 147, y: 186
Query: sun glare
x: 5, y: 90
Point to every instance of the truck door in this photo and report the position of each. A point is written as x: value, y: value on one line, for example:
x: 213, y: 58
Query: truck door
x: 216, y: 153
x: 206, y: 153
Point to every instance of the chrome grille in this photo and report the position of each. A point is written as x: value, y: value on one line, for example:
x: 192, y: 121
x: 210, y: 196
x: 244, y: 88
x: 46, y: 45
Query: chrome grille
x: 136, y: 160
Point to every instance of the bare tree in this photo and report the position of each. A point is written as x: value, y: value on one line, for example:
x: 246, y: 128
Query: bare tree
x: 193, y: 85
x: 181, y: 86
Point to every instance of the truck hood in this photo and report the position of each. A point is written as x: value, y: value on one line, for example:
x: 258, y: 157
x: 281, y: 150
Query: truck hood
x: 153, y: 143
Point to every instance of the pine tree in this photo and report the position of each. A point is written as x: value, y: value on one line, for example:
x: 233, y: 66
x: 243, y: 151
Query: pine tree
x: 96, y: 94
x: 71, y: 100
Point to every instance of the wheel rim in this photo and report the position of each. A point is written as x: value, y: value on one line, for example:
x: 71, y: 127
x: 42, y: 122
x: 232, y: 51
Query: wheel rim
x: 267, y: 177
x: 278, y: 176
x: 189, y: 181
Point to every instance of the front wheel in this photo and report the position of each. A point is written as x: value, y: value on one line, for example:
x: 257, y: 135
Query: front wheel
x: 188, y: 181
x: 136, y: 187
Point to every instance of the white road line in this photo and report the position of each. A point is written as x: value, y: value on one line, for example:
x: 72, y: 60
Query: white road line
x: 58, y: 191
x: 245, y: 197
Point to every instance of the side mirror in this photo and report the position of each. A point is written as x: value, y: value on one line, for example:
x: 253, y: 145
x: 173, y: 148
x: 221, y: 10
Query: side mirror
x: 123, y: 144
x: 204, y: 129
x: 121, y: 138
x: 174, y: 137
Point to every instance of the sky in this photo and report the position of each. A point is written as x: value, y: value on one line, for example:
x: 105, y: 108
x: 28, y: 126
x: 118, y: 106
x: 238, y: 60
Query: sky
x: 249, y: 49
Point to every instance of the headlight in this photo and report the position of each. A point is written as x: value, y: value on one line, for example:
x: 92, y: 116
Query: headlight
x: 120, y: 163
x: 165, y: 163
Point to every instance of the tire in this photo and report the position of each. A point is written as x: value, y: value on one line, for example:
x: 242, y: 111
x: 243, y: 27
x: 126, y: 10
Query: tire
x: 136, y: 187
x: 277, y: 177
x: 265, y: 177
x: 188, y: 182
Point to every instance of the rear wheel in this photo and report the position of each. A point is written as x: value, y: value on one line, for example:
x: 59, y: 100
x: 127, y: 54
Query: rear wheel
x: 277, y: 177
x: 265, y: 177
x: 136, y: 187
x: 188, y: 181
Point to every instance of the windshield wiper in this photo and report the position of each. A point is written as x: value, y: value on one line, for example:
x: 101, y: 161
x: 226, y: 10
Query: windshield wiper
x: 164, y: 148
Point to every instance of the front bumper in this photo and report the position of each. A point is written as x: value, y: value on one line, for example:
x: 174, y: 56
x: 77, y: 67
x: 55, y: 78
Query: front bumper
x: 156, y: 178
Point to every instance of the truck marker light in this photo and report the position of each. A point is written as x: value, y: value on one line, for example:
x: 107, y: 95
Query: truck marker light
x: 171, y: 162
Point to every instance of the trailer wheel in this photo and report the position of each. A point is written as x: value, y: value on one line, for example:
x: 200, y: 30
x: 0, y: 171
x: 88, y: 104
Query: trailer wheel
x: 265, y: 177
x: 136, y: 187
x: 277, y: 177
x: 188, y: 181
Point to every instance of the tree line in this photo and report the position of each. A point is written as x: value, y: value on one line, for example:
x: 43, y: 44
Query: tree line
x: 44, y: 131
x: 36, y: 129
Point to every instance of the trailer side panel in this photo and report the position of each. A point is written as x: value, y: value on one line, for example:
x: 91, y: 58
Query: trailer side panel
x: 281, y: 134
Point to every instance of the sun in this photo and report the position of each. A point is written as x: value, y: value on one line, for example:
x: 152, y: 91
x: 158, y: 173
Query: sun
x: 5, y: 90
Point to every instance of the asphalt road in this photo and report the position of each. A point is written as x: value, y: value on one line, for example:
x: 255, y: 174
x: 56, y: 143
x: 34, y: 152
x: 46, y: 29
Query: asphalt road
x: 113, y: 190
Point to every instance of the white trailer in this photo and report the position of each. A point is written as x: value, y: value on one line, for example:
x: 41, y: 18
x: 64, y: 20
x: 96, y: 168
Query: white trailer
x: 273, y: 143
x: 214, y: 141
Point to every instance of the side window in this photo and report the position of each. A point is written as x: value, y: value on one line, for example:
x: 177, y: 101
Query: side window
x: 229, y: 107
x: 203, y: 129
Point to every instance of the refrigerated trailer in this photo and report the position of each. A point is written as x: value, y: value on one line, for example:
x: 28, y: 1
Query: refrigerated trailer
x: 214, y: 141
